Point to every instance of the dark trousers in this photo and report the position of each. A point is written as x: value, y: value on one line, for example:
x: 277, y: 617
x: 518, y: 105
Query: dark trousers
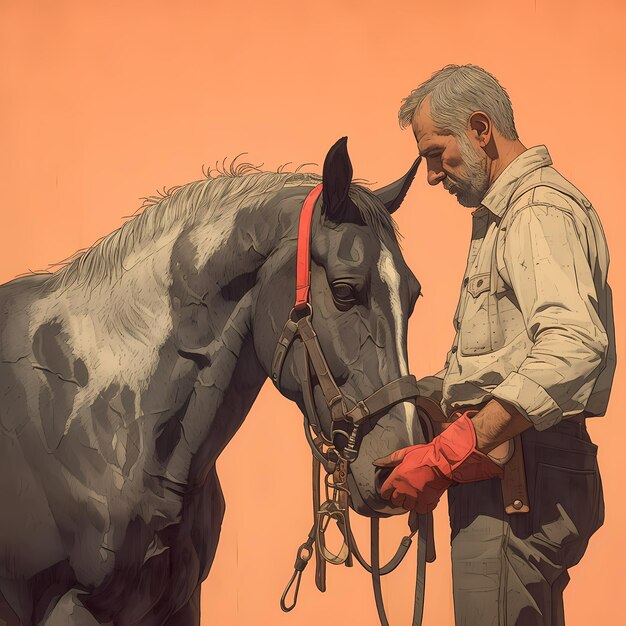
x: 511, y: 570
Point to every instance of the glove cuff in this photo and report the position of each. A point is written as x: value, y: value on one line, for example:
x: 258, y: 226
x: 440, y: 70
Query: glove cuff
x: 462, y: 461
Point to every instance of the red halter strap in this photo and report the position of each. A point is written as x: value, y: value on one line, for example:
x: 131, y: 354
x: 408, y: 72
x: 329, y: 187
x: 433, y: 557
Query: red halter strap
x: 303, y: 278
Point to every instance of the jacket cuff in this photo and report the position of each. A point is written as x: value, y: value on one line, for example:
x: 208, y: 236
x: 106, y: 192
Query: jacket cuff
x: 530, y: 399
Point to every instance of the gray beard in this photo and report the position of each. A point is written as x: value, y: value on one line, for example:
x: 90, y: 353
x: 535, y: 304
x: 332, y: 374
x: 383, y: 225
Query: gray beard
x: 472, y: 188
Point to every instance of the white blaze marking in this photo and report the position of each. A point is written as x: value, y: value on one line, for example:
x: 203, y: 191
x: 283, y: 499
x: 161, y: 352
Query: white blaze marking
x: 390, y: 276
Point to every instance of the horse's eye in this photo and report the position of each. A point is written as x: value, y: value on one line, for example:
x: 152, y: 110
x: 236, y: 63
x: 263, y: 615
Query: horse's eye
x: 344, y: 294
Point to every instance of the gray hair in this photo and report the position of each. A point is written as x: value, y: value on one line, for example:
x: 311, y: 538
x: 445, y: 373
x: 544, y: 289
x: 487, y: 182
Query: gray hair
x: 456, y: 92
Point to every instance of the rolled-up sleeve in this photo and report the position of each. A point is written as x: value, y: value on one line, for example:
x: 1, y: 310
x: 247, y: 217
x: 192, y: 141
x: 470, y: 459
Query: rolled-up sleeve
x: 552, y: 281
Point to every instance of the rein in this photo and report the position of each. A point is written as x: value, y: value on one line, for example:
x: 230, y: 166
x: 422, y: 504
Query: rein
x: 298, y: 334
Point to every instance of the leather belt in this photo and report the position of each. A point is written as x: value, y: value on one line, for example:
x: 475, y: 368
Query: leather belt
x: 579, y: 419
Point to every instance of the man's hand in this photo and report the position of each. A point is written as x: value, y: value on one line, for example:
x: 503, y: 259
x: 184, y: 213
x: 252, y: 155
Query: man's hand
x: 422, y: 473
x: 415, y: 484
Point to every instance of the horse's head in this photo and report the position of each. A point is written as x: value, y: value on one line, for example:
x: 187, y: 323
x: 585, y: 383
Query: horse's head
x: 362, y: 294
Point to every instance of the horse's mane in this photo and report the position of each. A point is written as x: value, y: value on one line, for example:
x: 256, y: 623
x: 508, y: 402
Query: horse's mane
x: 226, y: 189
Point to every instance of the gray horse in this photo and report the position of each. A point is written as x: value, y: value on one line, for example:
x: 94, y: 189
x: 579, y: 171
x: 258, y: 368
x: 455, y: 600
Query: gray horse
x: 124, y: 374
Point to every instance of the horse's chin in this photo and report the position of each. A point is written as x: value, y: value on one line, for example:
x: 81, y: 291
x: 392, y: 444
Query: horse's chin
x: 364, y: 478
x: 364, y: 482
x: 366, y: 500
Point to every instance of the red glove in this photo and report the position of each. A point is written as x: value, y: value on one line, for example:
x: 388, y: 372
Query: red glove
x: 422, y: 473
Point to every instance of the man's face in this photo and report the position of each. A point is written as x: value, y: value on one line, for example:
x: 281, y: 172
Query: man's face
x: 451, y: 160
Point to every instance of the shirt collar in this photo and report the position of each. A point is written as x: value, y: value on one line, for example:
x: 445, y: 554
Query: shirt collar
x: 502, y: 189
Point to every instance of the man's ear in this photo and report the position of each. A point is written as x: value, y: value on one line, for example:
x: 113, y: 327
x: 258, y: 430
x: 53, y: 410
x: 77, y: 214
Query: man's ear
x: 481, y: 127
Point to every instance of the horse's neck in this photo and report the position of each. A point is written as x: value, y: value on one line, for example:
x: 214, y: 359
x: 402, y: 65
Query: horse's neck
x: 178, y: 293
x: 228, y: 384
x: 117, y: 326
x: 168, y: 343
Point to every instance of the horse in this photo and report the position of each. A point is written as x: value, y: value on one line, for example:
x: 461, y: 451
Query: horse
x: 126, y: 372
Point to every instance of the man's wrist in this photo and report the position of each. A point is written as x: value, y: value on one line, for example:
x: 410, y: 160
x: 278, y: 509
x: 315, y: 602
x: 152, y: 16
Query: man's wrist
x: 497, y: 423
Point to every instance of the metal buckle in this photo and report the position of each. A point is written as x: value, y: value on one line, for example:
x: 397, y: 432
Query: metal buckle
x: 329, y: 511
x: 350, y: 452
x: 303, y: 556
x: 298, y: 314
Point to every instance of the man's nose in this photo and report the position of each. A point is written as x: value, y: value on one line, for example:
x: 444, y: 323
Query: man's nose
x: 435, y: 176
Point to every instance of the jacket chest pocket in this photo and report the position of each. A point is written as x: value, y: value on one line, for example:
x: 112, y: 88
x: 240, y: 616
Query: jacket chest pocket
x: 480, y: 331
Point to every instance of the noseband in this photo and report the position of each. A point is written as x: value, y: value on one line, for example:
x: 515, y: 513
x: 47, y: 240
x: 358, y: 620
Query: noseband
x: 299, y: 335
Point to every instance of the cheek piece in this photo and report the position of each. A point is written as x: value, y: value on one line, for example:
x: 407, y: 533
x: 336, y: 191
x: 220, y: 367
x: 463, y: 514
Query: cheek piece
x: 422, y: 473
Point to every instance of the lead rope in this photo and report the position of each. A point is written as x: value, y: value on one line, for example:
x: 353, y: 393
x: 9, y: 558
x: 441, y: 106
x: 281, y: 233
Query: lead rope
x: 421, y: 524
x: 305, y: 552
x: 420, y: 580
x: 315, y: 539
x: 339, y: 511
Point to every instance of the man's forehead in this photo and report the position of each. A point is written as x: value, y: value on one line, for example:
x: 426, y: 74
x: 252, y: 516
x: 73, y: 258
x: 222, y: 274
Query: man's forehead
x: 426, y: 134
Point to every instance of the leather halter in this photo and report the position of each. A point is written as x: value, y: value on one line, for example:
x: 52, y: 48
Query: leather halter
x: 399, y: 390
x: 298, y: 334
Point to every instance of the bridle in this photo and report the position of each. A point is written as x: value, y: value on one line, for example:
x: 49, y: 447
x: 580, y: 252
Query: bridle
x: 299, y: 335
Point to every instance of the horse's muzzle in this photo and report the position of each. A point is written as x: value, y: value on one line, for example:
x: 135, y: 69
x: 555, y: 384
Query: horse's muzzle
x: 365, y: 495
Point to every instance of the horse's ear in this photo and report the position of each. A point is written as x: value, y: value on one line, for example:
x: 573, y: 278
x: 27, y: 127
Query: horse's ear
x: 392, y: 195
x: 336, y: 178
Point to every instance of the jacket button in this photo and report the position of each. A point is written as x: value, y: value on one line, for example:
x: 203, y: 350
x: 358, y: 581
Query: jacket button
x: 465, y: 281
x: 517, y: 505
x: 454, y: 349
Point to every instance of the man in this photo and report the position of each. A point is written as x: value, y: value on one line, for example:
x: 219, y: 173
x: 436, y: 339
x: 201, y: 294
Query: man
x: 532, y: 358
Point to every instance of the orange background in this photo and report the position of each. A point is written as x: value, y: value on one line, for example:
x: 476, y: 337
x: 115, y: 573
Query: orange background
x: 101, y: 103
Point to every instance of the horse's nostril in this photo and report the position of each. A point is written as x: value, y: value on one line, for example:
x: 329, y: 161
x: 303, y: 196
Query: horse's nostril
x: 380, y: 476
